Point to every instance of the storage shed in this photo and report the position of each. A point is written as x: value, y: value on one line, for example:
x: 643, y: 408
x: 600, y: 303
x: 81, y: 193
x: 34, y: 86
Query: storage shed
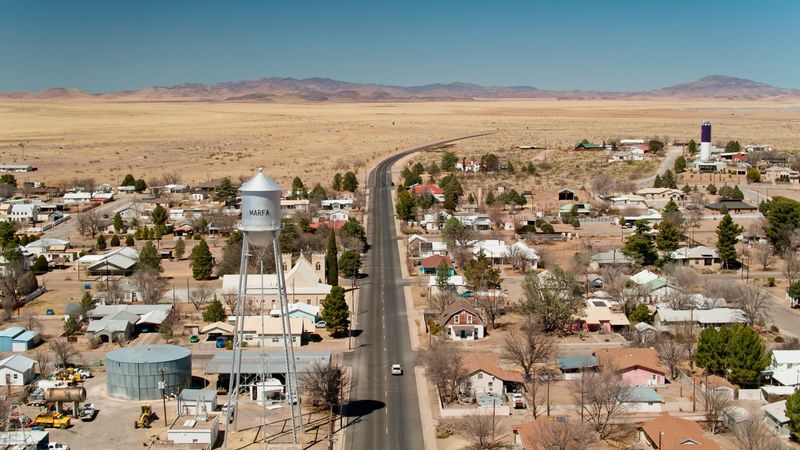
x: 190, y: 399
x: 25, y: 341
x: 7, y: 337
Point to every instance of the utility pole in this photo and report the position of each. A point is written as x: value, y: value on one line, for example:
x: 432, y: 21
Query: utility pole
x: 163, y: 386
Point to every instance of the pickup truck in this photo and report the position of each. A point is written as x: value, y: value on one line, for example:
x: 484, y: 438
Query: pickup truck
x: 518, y: 400
x: 87, y: 412
x: 52, y: 420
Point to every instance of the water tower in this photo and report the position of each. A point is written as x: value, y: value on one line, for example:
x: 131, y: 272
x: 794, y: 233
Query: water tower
x: 705, y: 141
x: 260, y: 227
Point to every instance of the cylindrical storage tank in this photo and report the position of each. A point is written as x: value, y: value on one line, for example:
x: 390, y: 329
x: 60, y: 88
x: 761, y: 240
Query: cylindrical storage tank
x: 71, y: 394
x: 705, y: 132
x: 261, y: 208
x: 134, y: 373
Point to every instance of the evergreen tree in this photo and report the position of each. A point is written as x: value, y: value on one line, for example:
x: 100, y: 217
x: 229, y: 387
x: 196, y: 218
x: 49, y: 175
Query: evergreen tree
x: 793, y: 413
x: 180, y: 248
x: 335, y: 312
x: 7, y: 234
x: 712, y: 349
x: 114, y: 241
x: 225, y: 192
x: 640, y: 245
x: 449, y: 160
x: 668, y: 180
x: 332, y: 260
x: 510, y: 167
x: 670, y: 207
x: 405, y: 206
x: 299, y: 190
x: 129, y: 180
x: 159, y: 217
x: 686, y: 189
x: 450, y: 202
x: 692, y: 147
x: 336, y: 184
x: 350, y: 182
x: 490, y: 198
x: 140, y: 186
x: 680, y: 165
x: 353, y: 228
x: 118, y: 223
x: 733, y: 146
x: 318, y: 193
x: 40, y: 265
x: 783, y: 217
x: 640, y: 314
x: 149, y: 259
x: 471, y: 199
x: 746, y: 355
x: 129, y: 242
x: 28, y: 283
x: 727, y: 232
x: 214, y: 312
x: 349, y: 263
x: 202, y: 261
x: 711, y: 189
x: 668, y: 237
x: 101, y: 242
x: 658, y: 182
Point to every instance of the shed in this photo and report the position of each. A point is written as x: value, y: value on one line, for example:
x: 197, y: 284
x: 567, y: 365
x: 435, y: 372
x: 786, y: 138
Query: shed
x: 572, y: 367
x: 190, y: 399
x: 7, y: 337
x: 194, y: 430
x: 17, y: 370
x: 25, y: 341
x: 566, y: 195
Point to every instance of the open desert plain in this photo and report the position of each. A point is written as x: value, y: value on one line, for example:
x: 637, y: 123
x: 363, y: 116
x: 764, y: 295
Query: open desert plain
x: 205, y: 140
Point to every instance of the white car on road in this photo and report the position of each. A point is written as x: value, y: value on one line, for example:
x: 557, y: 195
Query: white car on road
x: 397, y: 369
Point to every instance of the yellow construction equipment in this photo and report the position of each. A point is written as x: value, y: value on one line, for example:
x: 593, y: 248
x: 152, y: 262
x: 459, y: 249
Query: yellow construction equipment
x: 52, y: 419
x: 145, y: 418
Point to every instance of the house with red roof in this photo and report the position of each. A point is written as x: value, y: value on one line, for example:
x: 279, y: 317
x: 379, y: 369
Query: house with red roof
x: 462, y: 322
x: 421, y: 189
x: 430, y: 264
x: 485, y: 376
x: 636, y: 366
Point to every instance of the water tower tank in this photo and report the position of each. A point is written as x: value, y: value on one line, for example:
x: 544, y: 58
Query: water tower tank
x: 261, y: 208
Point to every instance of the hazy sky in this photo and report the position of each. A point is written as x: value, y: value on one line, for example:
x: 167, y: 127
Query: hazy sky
x: 593, y: 44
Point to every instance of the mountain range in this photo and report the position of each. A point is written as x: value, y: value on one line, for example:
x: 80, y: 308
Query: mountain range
x: 325, y: 89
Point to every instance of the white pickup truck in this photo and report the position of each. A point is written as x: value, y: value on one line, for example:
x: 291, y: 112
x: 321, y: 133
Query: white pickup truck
x: 517, y: 400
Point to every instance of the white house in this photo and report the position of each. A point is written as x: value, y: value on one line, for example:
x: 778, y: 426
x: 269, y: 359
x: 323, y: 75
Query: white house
x: 715, y: 317
x: 643, y: 277
x: 338, y: 214
x: 337, y: 203
x: 23, y: 212
x: 785, y: 359
x: 698, y: 256
x: 642, y: 399
x: 776, y: 418
x: 77, y: 197
x: 462, y: 323
x: 266, y: 331
x: 485, y: 376
x: 625, y: 201
x: 499, y: 252
x: 17, y: 370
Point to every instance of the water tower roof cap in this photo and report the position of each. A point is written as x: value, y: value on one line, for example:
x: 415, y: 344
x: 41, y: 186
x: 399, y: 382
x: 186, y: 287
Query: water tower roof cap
x: 260, y: 183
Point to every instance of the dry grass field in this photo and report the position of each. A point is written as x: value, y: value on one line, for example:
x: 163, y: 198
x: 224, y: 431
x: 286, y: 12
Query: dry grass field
x: 106, y: 140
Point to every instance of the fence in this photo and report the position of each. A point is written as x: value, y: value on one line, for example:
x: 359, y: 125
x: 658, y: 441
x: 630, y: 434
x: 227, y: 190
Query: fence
x: 498, y: 411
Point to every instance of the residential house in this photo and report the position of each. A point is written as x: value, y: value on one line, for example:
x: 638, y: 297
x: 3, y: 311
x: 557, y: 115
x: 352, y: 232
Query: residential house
x: 336, y: 203
x: 422, y: 246
x: 468, y: 165
x: 23, y: 213
x: 636, y: 366
x: 643, y: 277
x: 776, y: 418
x: 461, y: 322
x: 477, y: 222
x: 627, y: 201
x: 303, y: 284
x: 485, y: 376
x: 651, y: 216
x: 659, y: 197
x: 714, y: 317
x: 302, y: 310
x: 634, y: 154
x: 575, y: 209
x: 435, y: 220
x: 453, y: 281
x: 431, y: 264
x: 292, y: 206
x: 733, y: 207
x: 572, y: 367
x: 499, y: 252
x: 334, y: 215
x: 431, y: 189
x: 565, y: 195
x: 641, y: 399
x: 263, y: 331
x: 601, y: 318
x: 660, y: 289
x: 52, y: 249
x: 17, y: 370
x: 217, y: 329
x: 120, y: 262
x: 784, y: 359
x: 112, y: 322
x: 699, y: 256
x: 715, y: 383
x: 589, y: 146
x: 672, y: 433
x: 611, y: 257
x: 780, y: 175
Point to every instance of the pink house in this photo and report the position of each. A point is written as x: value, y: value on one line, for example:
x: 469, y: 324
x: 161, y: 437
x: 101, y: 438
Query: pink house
x: 636, y: 366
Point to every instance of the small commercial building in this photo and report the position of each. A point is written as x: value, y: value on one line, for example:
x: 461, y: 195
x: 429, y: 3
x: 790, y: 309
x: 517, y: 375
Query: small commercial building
x: 194, y: 430
x: 17, y: 370
x: 197, y: 401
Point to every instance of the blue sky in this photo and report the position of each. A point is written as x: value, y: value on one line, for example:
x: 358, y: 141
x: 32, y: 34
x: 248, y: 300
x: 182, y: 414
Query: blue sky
x: 604, y: 45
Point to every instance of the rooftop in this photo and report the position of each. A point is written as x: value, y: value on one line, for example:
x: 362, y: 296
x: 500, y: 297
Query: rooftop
x: 252, y: 361
x: 148, y: 353
x: 675, y: 433
x: 623, y: 358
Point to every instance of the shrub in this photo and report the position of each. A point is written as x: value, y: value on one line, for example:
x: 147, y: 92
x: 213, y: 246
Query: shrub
x: 771, y: 281
x: 779, y: 339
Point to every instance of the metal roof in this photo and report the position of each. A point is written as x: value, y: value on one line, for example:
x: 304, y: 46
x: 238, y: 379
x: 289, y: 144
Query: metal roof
x: 148, y: 354
x: 643, y: 394
x: 251, y: 361
x: 260, y: 183
x: 17, y: 363
x: 576, y: 362
x: 26, y: 336
x: 197, y: 394
x: 12, y: 332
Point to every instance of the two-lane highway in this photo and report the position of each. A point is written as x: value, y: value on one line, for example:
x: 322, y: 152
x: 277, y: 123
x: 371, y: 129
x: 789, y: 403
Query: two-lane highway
x: 384, y: 410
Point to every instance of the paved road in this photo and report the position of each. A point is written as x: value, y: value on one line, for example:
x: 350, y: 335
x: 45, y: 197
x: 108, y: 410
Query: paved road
x: 383, y: 412
x: 70, y: 227
x: 667, y: 163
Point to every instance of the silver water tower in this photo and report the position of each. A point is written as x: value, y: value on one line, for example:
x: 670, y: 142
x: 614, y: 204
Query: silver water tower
x: 261, y: 223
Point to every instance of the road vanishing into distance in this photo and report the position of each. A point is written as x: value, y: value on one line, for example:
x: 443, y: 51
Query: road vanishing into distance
x: 383, y: 412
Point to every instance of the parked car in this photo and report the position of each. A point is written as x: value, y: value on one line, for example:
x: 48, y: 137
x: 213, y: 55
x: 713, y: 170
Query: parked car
x: 57, y: 446
x: 321, y: 324
x: 88, y: 412
x: 518, y: 400
x: 194, y: 339
x: 220, y: 342
x: 397, y: 369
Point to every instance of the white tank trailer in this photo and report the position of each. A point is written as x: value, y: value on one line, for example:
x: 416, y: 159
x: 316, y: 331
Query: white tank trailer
x: 705, y: 141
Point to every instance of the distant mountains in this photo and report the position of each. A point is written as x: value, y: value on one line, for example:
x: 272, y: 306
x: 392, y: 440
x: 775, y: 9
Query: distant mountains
x: 324, y: 89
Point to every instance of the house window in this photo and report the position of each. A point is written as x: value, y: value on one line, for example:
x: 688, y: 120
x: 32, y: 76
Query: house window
x: 707, y: 262
x: 490, y: 385
x: 480, y: 375
x: 456, y: 319
x: 319, y: 266
x: 469, y: 318
x: 274, y: 338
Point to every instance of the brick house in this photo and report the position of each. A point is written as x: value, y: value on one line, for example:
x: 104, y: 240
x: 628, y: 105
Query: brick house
x: 461, y: 322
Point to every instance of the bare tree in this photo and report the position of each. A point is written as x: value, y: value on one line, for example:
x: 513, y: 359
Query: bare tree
x: 686, y: 336
x: 480, y: 430
x: 11, y: 281
x: 42, y: 358
x: 791, y: 265
x: 325, y: 383
x: 565, y: 435
x: 113, y: 290
x: 30, y: 321
x: 229, y: 299
x: 753, y: 301
x: 672, y: 354
x: 715, y: 403
x: 517, y: 258
x: 150, y: 286
x: 89, y: 222
x: 762, y: 253
x: 444, y: 365
x: 200, y: 295
x: 441, y: 300
x: 63, y: 351
x: 171, y: 177
x: 602, y: 185
x: 679, y: 300
x: 491, y: 305
x: 600, y: 398
x: 527, y: 346
x: 753, y: 434
x: 683, y: 276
